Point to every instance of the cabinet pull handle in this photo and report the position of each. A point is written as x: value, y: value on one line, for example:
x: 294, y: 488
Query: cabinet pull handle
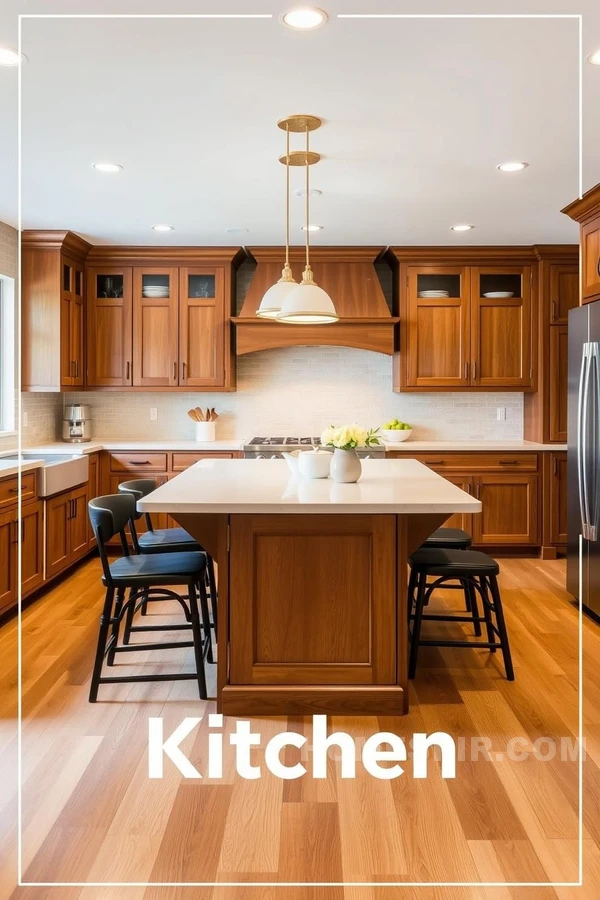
x: 174, y: 371
x: 76, y: 368
x: 555, y: 465
x: 466, y: 371
x: 16, y: 533
x: 474, y: 371
x: 554, y: 310
x: 508, y: 462
x: 435, y: 462
x: 128, y: 371
x: 598, y: 266
x: 13, y: 490
x: 140, y: 462
x: 183, y: 364
x: 477, y: 491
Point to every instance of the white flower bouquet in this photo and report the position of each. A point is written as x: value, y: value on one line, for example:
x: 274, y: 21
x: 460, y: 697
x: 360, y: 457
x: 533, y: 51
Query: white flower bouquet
x: 348, y: 437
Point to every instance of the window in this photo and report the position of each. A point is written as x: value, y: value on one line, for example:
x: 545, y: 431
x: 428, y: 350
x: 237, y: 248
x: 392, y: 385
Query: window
x: 7, y: 354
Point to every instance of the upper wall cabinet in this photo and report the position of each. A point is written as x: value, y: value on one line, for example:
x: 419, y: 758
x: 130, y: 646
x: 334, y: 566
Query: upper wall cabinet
x: 158, y: 322
x: 464, y: 325
x: 52, y: 310
x: 586, y: 211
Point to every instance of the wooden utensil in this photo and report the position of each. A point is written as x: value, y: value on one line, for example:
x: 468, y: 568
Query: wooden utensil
x: 193, y: 415
x: 200, y: 415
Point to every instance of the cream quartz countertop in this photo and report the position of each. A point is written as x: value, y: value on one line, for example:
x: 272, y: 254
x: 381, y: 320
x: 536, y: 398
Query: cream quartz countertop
x: 237, y: 443
x: 11, y: 466
x: 266, y: 486
x: 478, y: 446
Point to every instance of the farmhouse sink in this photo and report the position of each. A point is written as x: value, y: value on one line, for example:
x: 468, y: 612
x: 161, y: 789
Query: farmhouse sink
x: 60, y: 472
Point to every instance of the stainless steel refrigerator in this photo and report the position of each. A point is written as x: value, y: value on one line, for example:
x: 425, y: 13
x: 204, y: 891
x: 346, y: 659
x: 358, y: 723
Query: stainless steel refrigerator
x: 583, y: 481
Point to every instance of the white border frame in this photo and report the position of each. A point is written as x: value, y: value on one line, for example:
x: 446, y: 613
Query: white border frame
x: 279, y: 884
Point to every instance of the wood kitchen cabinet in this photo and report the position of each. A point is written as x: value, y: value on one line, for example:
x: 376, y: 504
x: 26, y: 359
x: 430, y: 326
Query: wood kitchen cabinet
x: 586, y: 211
x: 9, y: 537
x: 109, y: 327
x: 30, y: 529
x: 545, y: 411
x: 510, y: 513
x: 202, y: 327
x: 32, y: 547
x: 155, y: 327
x: 558, y: 497
x: 463, y: 338
x: 67, y: 534
x: 52, y: 310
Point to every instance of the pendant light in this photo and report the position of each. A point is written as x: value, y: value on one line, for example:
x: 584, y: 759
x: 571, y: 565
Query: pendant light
x: 276, y: 294
x: 307, y: 303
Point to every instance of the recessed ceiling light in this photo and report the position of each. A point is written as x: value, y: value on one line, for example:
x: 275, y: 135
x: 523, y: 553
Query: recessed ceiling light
x: 163, y: 228
x: 304, y: 18
x: 461, y: 227
x: 512, y: 166
x: 10, y: 57
x: 312, y: 228
x: 236, y: 230
x: 107, y: 167
x: 594, y: 58
x: 314, y: 192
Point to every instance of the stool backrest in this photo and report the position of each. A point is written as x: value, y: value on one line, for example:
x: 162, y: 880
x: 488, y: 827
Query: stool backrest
x: 110, y: 515
x: 138, y: 488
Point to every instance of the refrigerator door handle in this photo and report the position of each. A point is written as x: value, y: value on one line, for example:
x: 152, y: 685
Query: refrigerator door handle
x: 594, y: 354
x: 581, y: 436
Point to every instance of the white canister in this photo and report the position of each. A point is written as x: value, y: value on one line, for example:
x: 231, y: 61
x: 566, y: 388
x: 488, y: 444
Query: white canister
x: 205, y: 431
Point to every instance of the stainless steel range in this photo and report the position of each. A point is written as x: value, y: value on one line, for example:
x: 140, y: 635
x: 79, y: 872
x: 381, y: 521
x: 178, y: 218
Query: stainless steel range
x: 272, y: 447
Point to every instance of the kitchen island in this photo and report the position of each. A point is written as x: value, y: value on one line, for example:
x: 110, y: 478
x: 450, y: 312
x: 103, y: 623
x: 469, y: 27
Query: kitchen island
x: 312, y: 578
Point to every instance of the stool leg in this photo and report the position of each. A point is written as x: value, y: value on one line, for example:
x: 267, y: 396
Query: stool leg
x: 205, y: 619
x: 491, y: 636
x: 212, y: 586
x: 197, y: 637
x: 101, y: 646
x: 114, y: 631
x: 129, y: 619
x: 510, y: 672
x: 472, y: 605
x: 416, y: 632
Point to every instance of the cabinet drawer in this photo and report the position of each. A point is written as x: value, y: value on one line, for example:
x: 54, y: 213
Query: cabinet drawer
x: 9, y: 489
x: 138, y: 462
x: 183, y: 461
x: 480, y: 462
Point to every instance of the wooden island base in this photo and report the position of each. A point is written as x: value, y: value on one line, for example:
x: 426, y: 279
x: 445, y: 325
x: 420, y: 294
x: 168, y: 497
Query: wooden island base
x: 312, y: 610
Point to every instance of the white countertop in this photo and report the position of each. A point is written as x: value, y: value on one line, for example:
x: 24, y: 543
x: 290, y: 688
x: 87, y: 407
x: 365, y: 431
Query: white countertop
x: 11, y: 466
x: 94, y: 446
x: 493, y: 446
x: 267, y: 486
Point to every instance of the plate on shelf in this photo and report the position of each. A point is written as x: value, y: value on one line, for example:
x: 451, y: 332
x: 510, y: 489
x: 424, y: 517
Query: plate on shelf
x: 499, y: 294
x: 434, y: 293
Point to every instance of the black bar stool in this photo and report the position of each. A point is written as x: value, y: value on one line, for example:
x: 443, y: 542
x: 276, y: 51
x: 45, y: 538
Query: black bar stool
x: 477, y: 573
x: 166, y: 540
x: 141, y: 575
x: 450, y: 539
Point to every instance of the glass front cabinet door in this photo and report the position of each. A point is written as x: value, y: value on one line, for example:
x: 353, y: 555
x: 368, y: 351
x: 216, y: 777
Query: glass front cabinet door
x: 201, y: 327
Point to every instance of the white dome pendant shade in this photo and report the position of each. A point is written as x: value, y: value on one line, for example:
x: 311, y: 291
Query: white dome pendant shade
x: 307, y: 304
x: 274, y: 298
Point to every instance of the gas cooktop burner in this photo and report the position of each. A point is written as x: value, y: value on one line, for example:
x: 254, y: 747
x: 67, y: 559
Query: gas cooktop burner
x: 284, y: 441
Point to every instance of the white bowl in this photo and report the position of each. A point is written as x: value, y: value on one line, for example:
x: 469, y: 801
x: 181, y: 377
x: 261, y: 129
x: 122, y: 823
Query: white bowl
x: 391, y: 436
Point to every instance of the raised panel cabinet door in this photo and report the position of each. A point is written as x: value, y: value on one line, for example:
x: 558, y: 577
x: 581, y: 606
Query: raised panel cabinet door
x: 76, y: 328
x: 438, y: 327
x: 66, y: 361
x: 32, y: 547
x: 155, y: 327
x: 558, y: 383
x: 79, y: 523
x: 558, y: 498
x: 58, y: 529
x: 313, y: 599
x: 501, y: 327
x: 564, y: 291
x: 9, y: 536
x: 202, y: 327
x: 510, y: 510
x: 590, y: 260
x: 109, y: 327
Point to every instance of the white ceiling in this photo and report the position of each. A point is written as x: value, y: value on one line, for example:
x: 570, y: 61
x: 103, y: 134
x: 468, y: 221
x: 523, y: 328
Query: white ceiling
x: 418, y: 112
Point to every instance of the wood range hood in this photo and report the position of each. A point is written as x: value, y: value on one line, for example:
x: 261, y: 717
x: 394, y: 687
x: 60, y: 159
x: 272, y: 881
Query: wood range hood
x: 349, y: 277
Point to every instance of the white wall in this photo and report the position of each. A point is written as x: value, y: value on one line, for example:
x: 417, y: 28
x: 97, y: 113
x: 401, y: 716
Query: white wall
x: 300, y: 391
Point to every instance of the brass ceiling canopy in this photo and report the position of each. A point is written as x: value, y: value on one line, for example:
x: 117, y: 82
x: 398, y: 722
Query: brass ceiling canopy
x: 300, y: 158
x: 300, y: 123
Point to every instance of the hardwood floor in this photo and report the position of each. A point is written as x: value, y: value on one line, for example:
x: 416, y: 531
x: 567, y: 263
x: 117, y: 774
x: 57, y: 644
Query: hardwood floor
x: 90, y: 813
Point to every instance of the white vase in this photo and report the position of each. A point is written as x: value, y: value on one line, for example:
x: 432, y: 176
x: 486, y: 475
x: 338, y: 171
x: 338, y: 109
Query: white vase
x: 345, y: 466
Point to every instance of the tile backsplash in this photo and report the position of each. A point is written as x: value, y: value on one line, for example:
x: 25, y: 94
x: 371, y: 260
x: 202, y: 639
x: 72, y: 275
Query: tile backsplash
x: 299, y: 391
